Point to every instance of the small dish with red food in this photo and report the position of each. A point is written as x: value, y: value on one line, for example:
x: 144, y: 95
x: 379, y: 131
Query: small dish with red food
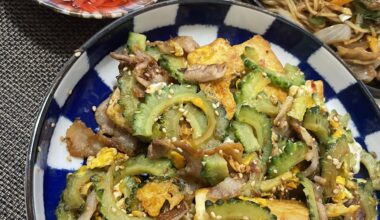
x: 97, y: 9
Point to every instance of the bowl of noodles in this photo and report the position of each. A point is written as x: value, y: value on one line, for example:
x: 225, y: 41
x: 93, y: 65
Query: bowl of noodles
x: 350, y: 27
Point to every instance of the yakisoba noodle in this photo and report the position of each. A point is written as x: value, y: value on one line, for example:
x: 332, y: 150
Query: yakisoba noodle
x: 354, y: 28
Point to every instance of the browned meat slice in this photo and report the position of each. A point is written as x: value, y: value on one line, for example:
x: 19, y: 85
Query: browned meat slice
x: 125, y: 142
x: 144, y: 67
x: 226, y: 189
x: 179, y: 45
x: 176, y: 213
x: 83, y: 142
x: 205, y: 73
x: 161, y: 148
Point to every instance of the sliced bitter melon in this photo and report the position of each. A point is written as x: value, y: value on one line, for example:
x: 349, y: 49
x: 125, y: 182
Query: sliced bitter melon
x: 196, y: 119
x: 265, y: 105
x: 174, y: 65
x: 215, y: 169
x: 136, y: 41
x: 330, y: 164
x: 63, y: 214
x: 251, y: 85
x: 155, y: 104
x: 170, y: 123
x: 126, y: 82
x: 245, y: 135
x: 222, y: 123
x: 373, y: 168
x: 368, y: 201
x: 293, y: 154
x: 310, y: 196
x: 268, y: 185
x: 154, y: 52
x: 71, y: 195
x: 142, y: 165
x: 292, y: 77
x: 108, y: 206
x: 262, y: 126
x: 316, y: 122
x: 302, y: 101
x: 238, y: 209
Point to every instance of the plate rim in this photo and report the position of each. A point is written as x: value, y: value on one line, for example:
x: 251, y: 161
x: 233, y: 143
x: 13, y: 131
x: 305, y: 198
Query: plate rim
x: 49, y: 95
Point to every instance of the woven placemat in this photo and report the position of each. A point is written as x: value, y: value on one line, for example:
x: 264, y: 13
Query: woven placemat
x: 35, y: 42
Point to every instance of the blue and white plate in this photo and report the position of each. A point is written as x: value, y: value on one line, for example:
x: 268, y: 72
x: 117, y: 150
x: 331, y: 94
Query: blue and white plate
x: 89, y: 76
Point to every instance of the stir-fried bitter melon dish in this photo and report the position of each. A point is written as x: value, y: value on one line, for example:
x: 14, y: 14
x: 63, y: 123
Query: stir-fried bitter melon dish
x: 215, y: 132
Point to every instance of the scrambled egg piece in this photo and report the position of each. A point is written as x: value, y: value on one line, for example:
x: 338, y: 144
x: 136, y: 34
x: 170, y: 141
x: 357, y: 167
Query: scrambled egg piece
x: 342, y: 195
x: 105, y: 157
x: 335, y: 210
x: 283, y: 209
x: 219, y: 52
x: 154, y: 194
x: 115, y: 111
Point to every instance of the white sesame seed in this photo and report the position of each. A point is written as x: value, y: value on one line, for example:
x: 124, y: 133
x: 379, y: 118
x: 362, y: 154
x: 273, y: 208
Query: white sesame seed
x: 179, y: 149
x: 185, y: 113
x: 39, y: 149
x: 274, y: 171
x: 236, y: 151
x: 335, y: 161
x: 174, y: 139
x: 69, y: 91
x: 94, y: 108
x: 220, y: 151
x: 203, y: 163
x: 219, y: 217
x: 170, y: 96
x: 171, y: 91
x: 181, y: 110
x: 52, y: 124
x: 216, y: 113
x: 253, y: 183
x: 329, y: 157
x: 213, y: 214
x: 164, y: 130
x: 335, y: 191
x: 240, y: 175
x: 77, y: 54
